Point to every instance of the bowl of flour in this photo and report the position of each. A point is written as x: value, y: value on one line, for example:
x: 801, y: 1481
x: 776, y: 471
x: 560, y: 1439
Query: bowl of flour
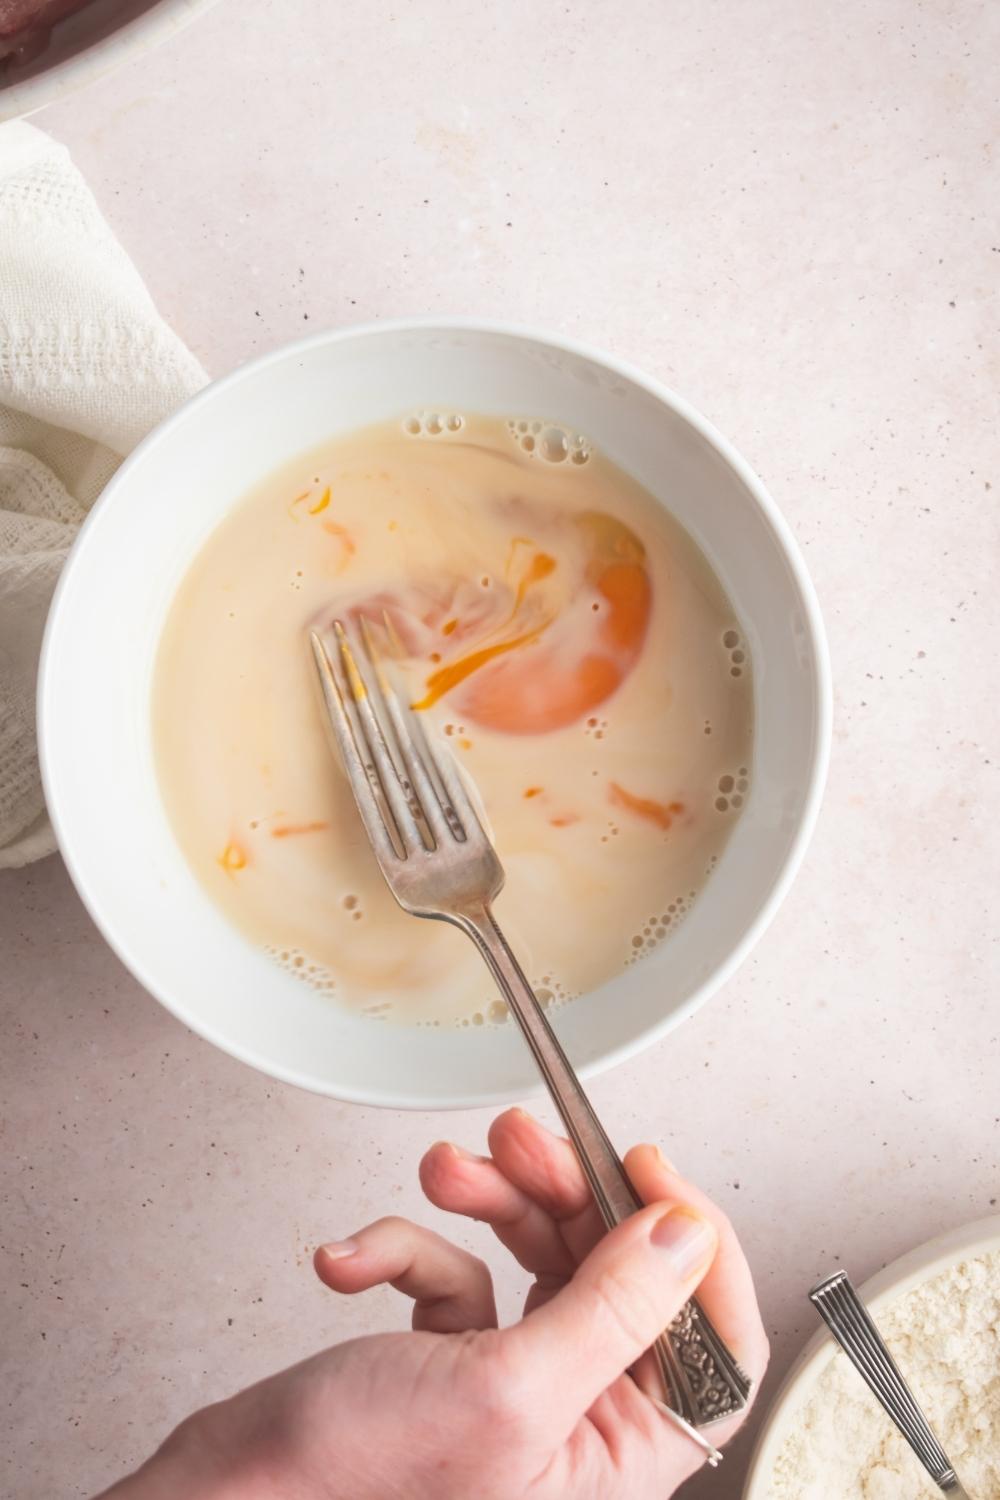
x: 938, y: 1309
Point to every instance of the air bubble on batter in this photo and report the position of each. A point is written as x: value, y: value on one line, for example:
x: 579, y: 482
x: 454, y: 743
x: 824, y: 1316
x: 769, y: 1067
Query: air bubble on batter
x: 300, y: 966
x: 736, y: 647
x: 658, y: 927
x: 549, y: 442
x: 550, y: 992
x: 432, y: 423
x: 554, y: 445
x: 596, y: 728
x: 732, y: 790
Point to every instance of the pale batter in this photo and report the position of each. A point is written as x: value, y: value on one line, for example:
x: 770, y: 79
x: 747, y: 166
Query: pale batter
x: 567, y: 640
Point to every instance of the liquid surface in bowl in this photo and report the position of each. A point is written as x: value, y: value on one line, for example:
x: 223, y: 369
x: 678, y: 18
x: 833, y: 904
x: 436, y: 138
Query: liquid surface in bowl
x: 564, y: 637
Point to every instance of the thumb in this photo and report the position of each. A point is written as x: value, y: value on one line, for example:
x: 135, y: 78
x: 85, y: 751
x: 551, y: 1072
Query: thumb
x: 620, y: 1299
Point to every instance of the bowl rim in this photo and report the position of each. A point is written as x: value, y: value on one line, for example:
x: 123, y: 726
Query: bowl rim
x: 815, y: 635
x: 961, y: 1242
x: 160, y: 21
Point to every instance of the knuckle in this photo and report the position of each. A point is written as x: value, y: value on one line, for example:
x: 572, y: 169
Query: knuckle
x: 392, y: 1224
x: 480, y: 1271
x: 500, y: 1387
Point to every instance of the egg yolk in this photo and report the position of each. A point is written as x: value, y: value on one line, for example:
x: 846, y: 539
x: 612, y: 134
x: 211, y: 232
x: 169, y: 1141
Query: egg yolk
x: 545, y: 649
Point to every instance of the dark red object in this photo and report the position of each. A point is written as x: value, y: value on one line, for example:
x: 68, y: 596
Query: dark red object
x: 25, y: 26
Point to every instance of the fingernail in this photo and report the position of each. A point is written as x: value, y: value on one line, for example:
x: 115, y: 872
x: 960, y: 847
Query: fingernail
x: 340, y: 1249
x: 665, y: 1161
x: 461, y: 1152
x: 687, y: 1239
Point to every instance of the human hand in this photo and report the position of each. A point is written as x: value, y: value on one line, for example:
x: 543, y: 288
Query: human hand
x: 543, y: 1409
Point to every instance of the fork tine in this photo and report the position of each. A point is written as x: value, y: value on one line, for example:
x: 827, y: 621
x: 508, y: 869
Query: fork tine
x: 459, y: 810
x: 358, y: 740
x: 343, y: 732
x: 459, y: 799
x: 416, y: 757
x: 385, y: 765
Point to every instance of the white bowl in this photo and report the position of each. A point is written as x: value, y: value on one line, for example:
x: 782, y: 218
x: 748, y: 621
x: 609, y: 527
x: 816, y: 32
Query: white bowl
x: 94, y: 41
x: 965, y: 1242
x: 94, y: 699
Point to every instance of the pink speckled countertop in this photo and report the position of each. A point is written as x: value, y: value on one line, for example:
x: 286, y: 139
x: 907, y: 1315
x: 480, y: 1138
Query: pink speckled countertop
x: 786, y: 213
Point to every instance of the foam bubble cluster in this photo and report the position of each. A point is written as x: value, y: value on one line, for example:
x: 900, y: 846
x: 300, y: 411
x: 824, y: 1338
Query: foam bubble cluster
x: 432, y: 423
x: 549, y: 441
x: 301, y: 967
x: 734, y: 643
x: 549, y: 992
x: 656, y: 928
x: 732, y: 790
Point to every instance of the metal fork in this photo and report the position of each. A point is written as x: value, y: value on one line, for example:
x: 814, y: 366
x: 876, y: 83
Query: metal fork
x: 439, y: 862
x: 850, y: 1322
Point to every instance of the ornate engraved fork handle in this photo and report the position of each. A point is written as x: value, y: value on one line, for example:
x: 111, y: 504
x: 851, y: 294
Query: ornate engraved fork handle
x: 702, y: 1379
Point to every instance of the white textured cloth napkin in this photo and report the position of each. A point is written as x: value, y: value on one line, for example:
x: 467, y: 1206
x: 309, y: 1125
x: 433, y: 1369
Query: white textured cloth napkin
x: 87, y: 368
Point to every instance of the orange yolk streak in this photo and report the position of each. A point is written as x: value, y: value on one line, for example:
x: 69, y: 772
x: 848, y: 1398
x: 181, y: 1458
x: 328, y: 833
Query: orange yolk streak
x: 233, y: 858
x: 540, y: 567
x: 452, y: 673
x: 288, y: 830
x: 346, y: 541
x: 660, y: 813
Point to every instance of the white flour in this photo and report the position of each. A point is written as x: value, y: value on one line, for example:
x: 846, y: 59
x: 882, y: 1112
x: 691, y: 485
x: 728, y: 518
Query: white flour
x: 945, y: 1337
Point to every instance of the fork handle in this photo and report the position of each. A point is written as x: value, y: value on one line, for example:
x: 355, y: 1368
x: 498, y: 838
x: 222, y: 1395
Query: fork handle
x: 851, y: 1324
x: 702, y: 1379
